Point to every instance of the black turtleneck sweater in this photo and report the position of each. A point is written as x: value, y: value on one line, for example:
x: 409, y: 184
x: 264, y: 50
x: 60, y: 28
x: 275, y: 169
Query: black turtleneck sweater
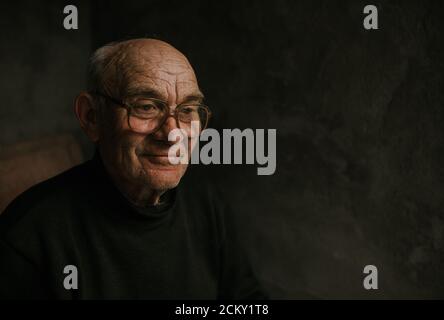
x: 183, y: 249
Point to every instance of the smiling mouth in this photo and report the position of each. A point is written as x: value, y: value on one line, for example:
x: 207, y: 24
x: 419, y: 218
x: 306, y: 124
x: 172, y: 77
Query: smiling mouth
x: 159, y: 159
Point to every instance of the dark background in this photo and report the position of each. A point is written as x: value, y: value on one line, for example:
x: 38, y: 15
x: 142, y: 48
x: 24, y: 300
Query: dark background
x: 358, y: 114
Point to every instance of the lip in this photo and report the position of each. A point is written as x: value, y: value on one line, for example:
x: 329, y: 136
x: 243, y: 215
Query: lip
x: 154, y: 155
x: 158, y: 159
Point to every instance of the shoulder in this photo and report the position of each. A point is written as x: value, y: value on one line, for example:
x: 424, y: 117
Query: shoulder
x: 200, y: 188
x: 41, y: 203
x: 202, y: 191
x: 204, y: 184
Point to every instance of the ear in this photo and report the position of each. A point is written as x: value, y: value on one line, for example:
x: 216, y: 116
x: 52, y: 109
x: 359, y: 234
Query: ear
x: 87, y: 114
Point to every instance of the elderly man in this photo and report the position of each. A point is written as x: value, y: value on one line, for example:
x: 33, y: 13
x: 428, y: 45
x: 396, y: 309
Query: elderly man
x: 119, y: 225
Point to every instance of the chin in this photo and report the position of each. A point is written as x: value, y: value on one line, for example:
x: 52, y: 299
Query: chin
x: 163, y: 179
x: 163, y: 184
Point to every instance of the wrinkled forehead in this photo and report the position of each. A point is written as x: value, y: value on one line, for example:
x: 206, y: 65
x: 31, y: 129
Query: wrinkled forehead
x: 159, y: 71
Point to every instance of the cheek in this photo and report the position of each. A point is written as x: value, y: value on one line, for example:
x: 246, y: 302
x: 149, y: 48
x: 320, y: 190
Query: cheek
x: 110, y: 128
x: 120, y: 142
x: 129, y: 146
x: 168, y: 177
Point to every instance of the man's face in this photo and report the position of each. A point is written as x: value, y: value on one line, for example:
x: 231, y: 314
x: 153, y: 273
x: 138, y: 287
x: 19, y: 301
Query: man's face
x: 156, y: 71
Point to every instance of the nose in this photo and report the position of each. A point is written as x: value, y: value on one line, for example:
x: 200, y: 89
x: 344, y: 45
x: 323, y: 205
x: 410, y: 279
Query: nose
x: 168, y: 125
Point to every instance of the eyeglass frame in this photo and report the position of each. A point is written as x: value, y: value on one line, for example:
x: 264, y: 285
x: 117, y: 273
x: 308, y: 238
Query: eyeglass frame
x: 174, y: 113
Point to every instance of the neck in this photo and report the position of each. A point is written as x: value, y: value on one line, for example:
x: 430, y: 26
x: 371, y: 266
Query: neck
x: 135, y: 192
x: 139, y: 196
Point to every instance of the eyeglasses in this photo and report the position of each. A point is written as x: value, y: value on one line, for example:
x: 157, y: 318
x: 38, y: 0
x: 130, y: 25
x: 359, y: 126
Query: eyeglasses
x: 146, y: 115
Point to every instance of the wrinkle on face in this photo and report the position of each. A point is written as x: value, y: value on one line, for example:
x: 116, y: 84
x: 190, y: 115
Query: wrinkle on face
x: 151, y: 63
x: 145, y: 65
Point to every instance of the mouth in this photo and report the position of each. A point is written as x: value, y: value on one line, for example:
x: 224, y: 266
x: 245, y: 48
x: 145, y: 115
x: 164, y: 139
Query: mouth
x: 154, y: 155
x: 158, y: 159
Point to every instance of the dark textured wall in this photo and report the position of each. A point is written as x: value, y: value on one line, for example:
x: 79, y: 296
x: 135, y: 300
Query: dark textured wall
x: 359, y: 116
x: 42, y: 69
x: 360, y: 141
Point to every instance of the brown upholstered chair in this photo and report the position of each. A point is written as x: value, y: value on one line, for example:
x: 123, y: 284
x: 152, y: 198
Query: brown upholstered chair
x: 24, y: 164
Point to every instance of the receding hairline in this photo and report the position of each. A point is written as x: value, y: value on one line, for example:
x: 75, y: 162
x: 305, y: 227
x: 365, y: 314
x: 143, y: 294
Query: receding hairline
x: 113, y: 54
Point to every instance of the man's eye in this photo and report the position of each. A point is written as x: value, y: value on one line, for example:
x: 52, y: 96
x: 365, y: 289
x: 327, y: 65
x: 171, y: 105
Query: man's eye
x: 146, y: 108
x: 188, y: 110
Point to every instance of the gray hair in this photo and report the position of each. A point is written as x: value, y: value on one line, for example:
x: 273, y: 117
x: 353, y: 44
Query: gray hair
x: 98, y: 65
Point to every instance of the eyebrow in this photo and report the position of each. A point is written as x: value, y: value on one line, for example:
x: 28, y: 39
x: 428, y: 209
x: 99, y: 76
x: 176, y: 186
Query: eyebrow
x: 197, y: 95
x: 149, y: 92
